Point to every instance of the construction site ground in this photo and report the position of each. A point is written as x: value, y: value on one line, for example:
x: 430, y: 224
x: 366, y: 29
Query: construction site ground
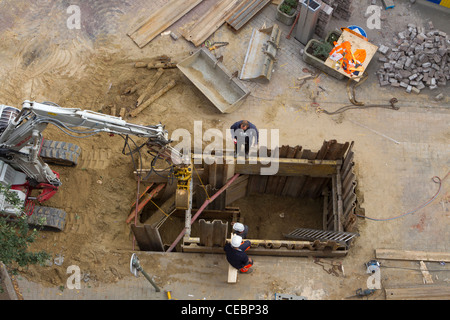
x: 397, y: 152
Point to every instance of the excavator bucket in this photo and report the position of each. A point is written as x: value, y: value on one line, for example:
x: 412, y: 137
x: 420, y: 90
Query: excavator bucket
x: 210, y: 76
x: 261, y: 53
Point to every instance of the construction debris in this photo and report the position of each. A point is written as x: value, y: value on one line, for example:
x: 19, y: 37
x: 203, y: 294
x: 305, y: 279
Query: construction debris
x: 150, y: 86
x: 152, y: 98
x: 419, y: 60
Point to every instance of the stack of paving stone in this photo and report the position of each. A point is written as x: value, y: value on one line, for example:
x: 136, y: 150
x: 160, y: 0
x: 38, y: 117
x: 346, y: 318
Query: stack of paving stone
x: 343, y: 9
x: 325, y: 14
x: 419, y: 59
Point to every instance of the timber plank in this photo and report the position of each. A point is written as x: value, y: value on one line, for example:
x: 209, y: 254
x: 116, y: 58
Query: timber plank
x: 272, y: 184
x: 244, y: 12
x: 290, y: 167
x: 287, y: 189
x: 393, y: 254
x: 210, y: 22
x: 237, y: 190
x: 232, y: 274
x: 425, y: 292
x: 280, y: 181
x: 160, y: 20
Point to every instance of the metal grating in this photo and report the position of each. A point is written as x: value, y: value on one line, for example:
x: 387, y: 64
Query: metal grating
x: 314, y: 234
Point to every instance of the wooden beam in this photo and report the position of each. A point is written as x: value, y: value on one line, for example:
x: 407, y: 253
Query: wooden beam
x: 237, y: 190
x: 289, y: 167
x: 160, y: 20
x: 425, y: 292
x: 232, y: 274
x: 427, y: 279
x: 209, y: 22
x: 392, y: 254
x: 152, y: 98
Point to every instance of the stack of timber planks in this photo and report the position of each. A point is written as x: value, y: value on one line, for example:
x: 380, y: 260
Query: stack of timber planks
x: 428, y: 291
x: 161, y: 20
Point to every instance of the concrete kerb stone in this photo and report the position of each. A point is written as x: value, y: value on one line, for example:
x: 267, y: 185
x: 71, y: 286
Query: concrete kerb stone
x: 6, y: 281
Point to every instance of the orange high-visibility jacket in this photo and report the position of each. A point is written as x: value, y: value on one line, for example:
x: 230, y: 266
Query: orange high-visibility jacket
x: 350, y: 62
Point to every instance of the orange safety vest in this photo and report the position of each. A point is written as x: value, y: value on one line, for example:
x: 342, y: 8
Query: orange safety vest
x: 349, y: 62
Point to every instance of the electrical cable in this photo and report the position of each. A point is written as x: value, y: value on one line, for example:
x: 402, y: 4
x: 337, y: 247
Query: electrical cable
x: 435, y: 179
x: 61, y: 125
x: 392, y: 106
x: 137, y: 149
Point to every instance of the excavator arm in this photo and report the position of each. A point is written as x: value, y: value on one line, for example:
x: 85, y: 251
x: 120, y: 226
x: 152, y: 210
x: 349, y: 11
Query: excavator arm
x: 21, y: 134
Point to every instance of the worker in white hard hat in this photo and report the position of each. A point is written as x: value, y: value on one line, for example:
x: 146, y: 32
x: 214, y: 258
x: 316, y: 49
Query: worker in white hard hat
x: 240, y: 229
x: 236, y: 254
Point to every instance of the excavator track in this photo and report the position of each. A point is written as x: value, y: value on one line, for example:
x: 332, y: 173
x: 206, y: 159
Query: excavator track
x: 49, y: 218
x: 60, y: 153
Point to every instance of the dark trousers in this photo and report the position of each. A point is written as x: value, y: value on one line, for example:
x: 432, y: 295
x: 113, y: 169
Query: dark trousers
x: 237, y: 146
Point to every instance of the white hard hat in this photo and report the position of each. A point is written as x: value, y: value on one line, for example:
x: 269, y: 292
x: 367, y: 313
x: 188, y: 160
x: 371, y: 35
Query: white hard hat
x: 236, y: 241
x: 239, y: 227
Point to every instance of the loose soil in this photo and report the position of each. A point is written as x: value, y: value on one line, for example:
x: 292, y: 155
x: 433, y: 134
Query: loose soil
x: 92, y: 67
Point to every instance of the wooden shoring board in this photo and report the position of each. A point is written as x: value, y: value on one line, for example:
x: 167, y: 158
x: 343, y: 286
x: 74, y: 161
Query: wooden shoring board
x: 294, y: 185
x: 210, y: 22
x: 244, y: 12
x: 160, y: 20
x: 276, y: 183
x: 427, y: 279
x: 424, y: 292
x: 280, y: 181
x: 290, y: 167
x: 356, y: 43
x: 331, y: 150
x: 237, y: 190
x: 392, y: 254
x: 305, y: 181
x: 325, y: 211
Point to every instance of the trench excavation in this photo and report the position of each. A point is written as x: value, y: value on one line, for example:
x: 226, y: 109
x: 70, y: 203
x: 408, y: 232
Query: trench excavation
x: 306, y: 209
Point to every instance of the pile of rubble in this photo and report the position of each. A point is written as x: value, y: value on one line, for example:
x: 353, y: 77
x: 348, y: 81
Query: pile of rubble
x: 419, y: 60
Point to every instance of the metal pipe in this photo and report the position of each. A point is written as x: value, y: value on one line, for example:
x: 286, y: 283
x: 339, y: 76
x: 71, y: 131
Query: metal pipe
x: 205, y: 204
x: 148, y: 278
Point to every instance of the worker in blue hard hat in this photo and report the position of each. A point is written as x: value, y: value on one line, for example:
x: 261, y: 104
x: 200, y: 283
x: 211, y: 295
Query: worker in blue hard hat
x: 244, y: 133
x: 236, y: 254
